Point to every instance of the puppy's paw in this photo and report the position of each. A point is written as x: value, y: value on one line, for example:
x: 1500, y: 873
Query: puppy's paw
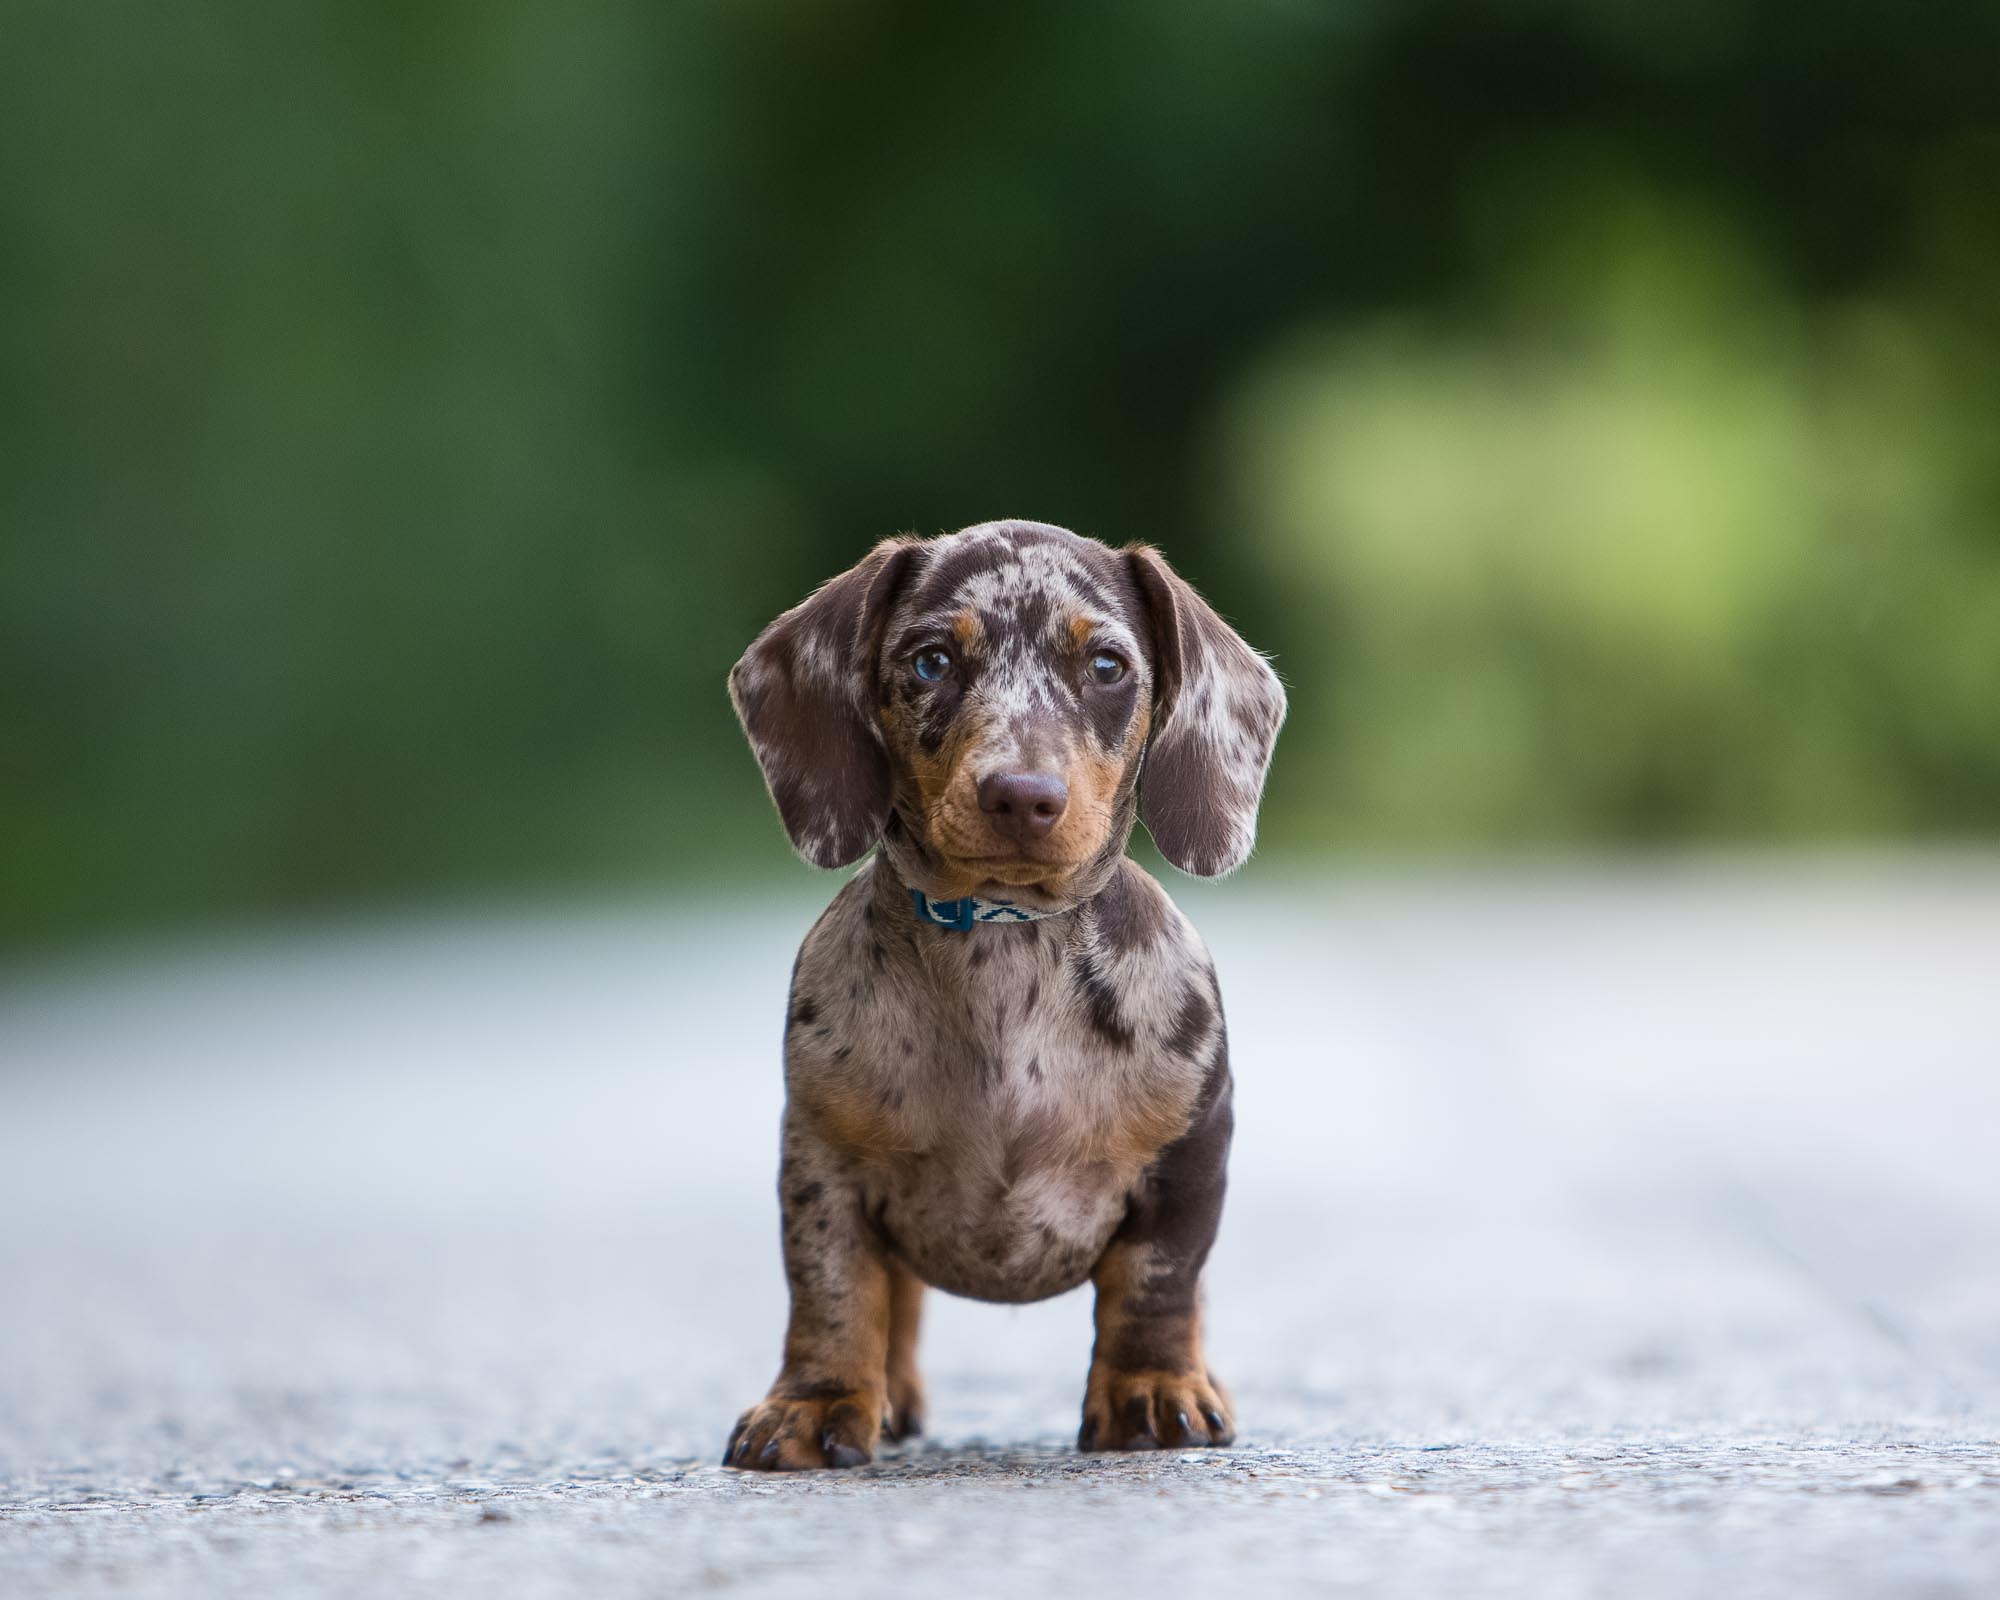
x: 815, y: 1425
x: 1153, y: 1411
x: 905, y: 1417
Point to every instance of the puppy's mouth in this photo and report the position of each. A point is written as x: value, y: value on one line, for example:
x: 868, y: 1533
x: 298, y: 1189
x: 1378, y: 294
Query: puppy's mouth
x: 1015, y: 868
x: 1012, y: 872
x: 971, y: 852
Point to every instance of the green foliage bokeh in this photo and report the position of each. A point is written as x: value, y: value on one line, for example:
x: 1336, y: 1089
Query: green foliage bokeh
x: 408, y: 411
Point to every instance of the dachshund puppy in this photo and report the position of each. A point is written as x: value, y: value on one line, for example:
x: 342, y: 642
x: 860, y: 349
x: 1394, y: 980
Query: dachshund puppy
x: 1005, y: 1062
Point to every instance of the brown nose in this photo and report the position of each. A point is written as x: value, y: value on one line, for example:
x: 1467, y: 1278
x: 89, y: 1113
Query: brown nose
x: 1023, y: 805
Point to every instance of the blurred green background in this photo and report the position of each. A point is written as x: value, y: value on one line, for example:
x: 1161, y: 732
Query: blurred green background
x: 408, y: 411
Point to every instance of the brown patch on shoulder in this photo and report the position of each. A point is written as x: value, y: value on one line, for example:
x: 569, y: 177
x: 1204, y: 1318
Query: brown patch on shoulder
x: 1136, y: 1141
x: 853, y: 1119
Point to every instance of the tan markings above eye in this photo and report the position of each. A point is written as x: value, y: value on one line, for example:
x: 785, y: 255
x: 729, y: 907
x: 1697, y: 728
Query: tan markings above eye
x: 1081, y: 629
x: 967, y: 629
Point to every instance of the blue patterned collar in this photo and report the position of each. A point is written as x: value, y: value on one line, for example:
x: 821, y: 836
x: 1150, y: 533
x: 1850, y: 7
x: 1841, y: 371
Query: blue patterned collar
x: 959, y: 915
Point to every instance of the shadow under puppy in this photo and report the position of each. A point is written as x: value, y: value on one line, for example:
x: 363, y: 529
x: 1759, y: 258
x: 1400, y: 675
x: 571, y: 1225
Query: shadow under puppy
x: 1005, y: 1061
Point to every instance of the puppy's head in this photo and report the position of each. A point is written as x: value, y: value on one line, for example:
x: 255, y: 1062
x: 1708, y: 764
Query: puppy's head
x: 996, y: 701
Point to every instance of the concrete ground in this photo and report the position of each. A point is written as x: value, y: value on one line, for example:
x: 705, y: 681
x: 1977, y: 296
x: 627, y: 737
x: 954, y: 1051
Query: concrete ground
x: 1625, y: 1231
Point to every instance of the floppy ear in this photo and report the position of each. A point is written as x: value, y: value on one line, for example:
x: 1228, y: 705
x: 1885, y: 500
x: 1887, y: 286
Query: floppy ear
x: 1217, y: 706
x: 805, y: 694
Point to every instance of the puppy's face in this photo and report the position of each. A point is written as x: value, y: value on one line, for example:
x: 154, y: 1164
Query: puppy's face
x: 1015, y: 692
x: 997, y: 701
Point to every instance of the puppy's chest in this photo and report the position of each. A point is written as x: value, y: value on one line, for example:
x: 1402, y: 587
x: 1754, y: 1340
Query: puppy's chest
x: 1005, y: 1068
x: 998, y: 1098
x: 1019, y: 1138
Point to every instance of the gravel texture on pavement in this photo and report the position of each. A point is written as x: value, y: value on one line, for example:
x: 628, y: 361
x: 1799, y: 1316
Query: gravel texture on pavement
x: 1627, y: 1230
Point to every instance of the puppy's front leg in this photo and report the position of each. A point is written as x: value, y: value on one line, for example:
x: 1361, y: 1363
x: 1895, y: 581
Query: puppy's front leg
x: 830, y: 1401
x: 1149, y: 1381
x: 906, y: 1388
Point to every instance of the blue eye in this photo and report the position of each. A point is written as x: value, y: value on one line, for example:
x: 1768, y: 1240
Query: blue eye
x: 1106, y: 667
x: 931, y: 665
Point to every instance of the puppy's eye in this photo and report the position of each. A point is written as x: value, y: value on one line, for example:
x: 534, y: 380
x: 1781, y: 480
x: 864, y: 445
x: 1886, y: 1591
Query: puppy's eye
x: 1106, y: 666
x: 931, y: 665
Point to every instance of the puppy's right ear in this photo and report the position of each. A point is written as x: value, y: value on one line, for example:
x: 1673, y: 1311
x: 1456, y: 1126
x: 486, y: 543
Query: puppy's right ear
x: 805, y: 694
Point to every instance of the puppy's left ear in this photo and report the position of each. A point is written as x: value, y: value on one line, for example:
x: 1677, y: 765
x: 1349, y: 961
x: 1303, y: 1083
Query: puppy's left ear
x: 804, y: 692
x: 1217, y: 707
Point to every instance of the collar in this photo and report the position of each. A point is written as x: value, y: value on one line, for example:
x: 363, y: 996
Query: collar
x: 959, y: 915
